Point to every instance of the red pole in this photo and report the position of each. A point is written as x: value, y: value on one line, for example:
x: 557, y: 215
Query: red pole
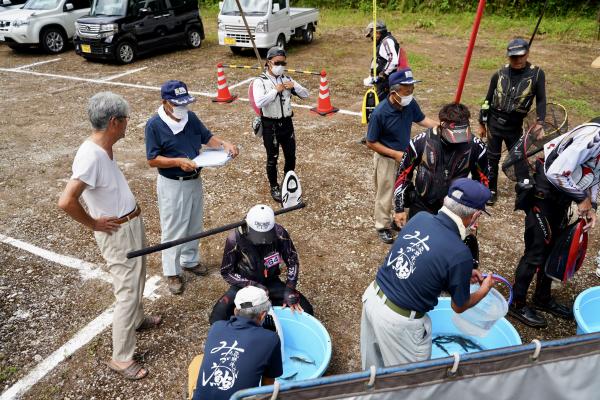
x: 465, y: 68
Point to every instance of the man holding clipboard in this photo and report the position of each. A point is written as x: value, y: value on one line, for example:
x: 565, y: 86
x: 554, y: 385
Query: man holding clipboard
x: 174, y: 136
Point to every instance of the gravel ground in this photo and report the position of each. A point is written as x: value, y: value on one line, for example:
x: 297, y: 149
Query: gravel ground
x: 44, y: 121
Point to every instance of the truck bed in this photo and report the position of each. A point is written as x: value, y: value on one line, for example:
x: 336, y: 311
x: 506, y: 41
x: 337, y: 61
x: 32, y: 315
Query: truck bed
x: 302, y: 16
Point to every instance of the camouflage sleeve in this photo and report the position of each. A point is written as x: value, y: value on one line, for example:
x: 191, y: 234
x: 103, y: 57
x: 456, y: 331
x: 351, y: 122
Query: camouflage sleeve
x: 289, y: 255
x: 409, y: 162
x: 231, y: 256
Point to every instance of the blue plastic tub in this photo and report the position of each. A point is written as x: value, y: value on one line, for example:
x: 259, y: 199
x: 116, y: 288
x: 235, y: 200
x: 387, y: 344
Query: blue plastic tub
x: 307, y: 344
x: 587, y: 311
x: 502, y: 334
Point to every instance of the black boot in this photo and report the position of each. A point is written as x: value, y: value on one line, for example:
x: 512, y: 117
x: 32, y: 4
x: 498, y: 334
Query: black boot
x: 554, y: 308
x: 276, y: 193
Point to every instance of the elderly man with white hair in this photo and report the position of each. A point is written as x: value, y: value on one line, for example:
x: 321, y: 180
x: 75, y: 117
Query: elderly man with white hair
x: 115, y: 218
x: 240, y: 353
x: 428, y: 257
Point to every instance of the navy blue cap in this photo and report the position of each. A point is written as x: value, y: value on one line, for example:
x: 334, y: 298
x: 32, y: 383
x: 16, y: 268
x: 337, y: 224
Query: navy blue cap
x: 176, y: 92
x: 517, y: 47
x: 402, y: 77
x: 472, y: 193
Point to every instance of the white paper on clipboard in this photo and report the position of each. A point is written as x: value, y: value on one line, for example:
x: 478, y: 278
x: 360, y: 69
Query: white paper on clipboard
x: 212, y: 158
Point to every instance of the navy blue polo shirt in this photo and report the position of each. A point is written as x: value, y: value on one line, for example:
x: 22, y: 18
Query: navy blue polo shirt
x: 160, y: 141
x: 391, y: 127
x: 428, y: 257
x: 237, y: 354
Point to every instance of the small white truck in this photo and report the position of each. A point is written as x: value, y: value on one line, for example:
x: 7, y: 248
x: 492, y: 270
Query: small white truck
x: 272, y: 23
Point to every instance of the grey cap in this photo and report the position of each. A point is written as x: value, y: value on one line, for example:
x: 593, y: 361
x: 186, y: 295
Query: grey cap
x: 379, y: 27
x: 517, y: 47
x: 275, y: 51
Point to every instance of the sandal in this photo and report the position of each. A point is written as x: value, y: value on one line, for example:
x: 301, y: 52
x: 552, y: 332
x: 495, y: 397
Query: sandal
x: 198, y: 270
x: 149, y: 322
x: 131, y: 373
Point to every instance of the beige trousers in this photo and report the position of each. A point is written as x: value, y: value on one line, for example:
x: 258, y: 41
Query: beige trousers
x: 129, y: 278
x: 384, y: 176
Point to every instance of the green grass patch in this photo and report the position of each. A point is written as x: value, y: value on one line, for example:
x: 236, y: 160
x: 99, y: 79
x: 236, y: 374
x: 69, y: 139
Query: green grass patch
x: 419, y: 61
x: 578, y: 79
x: 489, y: 63
x: 7, y: 372
x: 579, y: 107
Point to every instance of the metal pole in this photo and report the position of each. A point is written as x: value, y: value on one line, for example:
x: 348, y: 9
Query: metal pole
x: 538, y: 23
x: 249, y: 33
x: 465, y: 67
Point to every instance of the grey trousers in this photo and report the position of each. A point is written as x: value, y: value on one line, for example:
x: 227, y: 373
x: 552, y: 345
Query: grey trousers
x: 129, y: 278
x: 387, y: 338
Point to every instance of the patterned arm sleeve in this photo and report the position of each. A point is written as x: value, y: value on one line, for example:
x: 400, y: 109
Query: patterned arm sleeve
x: 290, y: 256
x: 230, y: 259
x: 409, y: 162
x: 480, y: 169
x: 388, y: 51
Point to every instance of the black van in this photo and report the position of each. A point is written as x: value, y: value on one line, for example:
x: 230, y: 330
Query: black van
x: 122, y: 29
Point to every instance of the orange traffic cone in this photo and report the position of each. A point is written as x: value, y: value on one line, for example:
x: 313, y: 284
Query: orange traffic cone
x: 324, y: 106
x: 223, y: 95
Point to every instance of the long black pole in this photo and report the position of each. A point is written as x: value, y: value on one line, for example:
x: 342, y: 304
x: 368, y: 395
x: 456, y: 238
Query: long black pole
x: 172, y: 243
x: 538, y: 23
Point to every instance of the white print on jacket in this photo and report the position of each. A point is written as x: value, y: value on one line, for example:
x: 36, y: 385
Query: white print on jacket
x: 225, y: 373
x: 404, y: 262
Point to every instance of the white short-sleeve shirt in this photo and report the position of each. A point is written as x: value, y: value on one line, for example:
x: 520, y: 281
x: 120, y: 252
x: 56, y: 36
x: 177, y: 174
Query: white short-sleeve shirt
x: 107, y: 193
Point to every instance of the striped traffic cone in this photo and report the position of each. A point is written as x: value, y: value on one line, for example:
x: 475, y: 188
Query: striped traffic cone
x: 324, y: 106
x: 223, y: 95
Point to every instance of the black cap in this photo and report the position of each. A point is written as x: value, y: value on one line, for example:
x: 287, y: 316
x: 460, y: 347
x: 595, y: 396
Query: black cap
x: 517, y: 47
x: 275, y: 51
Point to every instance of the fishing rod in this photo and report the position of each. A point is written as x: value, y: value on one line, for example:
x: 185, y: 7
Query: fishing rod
x: 538, y: 23
x: 210, y: 232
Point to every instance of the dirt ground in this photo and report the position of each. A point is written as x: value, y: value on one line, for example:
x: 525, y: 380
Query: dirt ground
x: 43, y: 121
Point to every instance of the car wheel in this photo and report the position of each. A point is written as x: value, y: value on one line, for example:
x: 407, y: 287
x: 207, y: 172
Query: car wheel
x: 280, y: 41
x: 308, y: 35
x: 53, y: 40
x: 236, y: 50
x: 125, y: 52
x: 193, y: 38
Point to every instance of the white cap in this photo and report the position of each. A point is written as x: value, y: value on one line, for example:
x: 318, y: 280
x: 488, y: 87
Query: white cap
x: 250, y: 296
x: 261, y: 223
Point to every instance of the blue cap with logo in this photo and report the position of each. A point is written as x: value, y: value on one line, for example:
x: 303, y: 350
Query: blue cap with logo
x: 469, y: 193
x: 517, y: 47
x: 402, y: 77
x: 176, y: 92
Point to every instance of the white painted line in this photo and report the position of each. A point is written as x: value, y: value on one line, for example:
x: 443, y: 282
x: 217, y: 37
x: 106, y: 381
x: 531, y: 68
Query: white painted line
x: 83, y: 337
x: 122, y: 74
x: 86, y: 270
x: 242, y: 82
x: 37, y: 63
x: 131, y: 85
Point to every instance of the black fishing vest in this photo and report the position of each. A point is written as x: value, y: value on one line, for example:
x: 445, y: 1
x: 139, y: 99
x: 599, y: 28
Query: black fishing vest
x: 381, y: 61
x: 252, y: 259
x: 439, y: 167
x: 518, y: 98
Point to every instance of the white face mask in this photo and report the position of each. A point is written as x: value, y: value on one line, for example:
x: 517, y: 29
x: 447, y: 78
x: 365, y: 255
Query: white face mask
x: 277, y: 70
x: 180, y: 112
x: 405, y: 100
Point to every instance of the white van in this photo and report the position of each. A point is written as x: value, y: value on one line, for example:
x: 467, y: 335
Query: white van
x: 272, y: 23
x: 48, y: 23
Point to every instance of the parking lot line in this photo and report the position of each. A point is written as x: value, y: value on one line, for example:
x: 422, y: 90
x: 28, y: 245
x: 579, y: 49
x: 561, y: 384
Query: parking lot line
x: 131, y: 71
x: 135, y: 86
x: 81, y: 338
x: 37, y: 63
x: 241, y: 83
x: 86, y: 270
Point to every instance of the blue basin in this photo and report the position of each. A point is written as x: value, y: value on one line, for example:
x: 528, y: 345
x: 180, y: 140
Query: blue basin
x: 587, y: 311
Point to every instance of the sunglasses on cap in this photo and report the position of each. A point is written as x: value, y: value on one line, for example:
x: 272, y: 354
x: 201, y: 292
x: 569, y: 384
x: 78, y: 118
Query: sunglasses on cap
x: 455, y: 133
x: 280, y: 63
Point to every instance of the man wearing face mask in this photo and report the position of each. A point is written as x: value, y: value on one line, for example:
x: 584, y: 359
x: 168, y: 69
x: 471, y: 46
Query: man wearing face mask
x: 254, y: 255
x: 436, y: 158
x: 510, y: 97
x: 388, y: 136
x: 427, y: 258
x: 174, y: 137
x: 273, y: 92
